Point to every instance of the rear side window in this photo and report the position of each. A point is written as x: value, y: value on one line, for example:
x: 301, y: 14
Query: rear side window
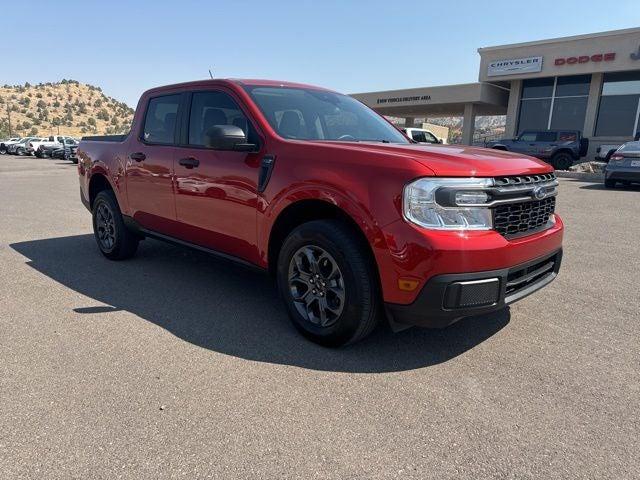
x: 568, y: 137
x: 209, y: 109
x: 160, y: 120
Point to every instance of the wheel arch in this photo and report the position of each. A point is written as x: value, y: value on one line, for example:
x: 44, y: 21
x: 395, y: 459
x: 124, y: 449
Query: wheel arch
x: 500, y: 147
x: 308, y: 209
x: 98, y: 183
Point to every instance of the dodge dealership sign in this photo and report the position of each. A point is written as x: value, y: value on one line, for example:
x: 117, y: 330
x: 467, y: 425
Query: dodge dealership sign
x: 598, y: 57
x: 514, y: 66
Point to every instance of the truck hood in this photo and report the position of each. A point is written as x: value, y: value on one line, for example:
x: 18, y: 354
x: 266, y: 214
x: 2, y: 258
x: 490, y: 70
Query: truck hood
x: 456, y: 160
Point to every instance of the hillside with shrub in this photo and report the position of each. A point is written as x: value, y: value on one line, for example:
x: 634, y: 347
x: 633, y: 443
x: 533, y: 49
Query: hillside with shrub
x: 68, y: 107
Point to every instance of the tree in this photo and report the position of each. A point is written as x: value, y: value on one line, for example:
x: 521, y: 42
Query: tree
x: 33, y: 132
x: 103, y: 115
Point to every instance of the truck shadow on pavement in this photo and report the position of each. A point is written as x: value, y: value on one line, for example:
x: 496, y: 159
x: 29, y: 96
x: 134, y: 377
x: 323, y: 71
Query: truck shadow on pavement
x: 233, y: 310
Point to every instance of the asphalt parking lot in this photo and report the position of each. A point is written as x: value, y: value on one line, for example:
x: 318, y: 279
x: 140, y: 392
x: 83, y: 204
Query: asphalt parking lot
x: 178, y: 365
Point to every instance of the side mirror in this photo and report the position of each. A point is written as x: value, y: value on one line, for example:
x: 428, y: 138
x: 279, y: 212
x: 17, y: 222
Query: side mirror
x: 440, y: 140
x: 227, y: 137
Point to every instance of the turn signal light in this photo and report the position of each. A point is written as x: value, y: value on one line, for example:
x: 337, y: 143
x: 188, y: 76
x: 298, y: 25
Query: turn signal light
x: 408, y: 284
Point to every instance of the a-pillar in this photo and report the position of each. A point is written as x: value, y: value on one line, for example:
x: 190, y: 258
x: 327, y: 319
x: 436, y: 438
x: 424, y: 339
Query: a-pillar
x: 468, y: 123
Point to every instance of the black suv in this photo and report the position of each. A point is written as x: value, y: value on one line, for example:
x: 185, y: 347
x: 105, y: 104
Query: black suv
x: 560, y: 148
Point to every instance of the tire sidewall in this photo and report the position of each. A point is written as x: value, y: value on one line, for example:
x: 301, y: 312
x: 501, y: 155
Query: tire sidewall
x: 357, y: 293
x: 562, y: 161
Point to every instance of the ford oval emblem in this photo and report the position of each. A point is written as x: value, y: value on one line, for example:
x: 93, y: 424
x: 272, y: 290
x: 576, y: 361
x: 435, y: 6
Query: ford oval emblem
x: 539, y: 193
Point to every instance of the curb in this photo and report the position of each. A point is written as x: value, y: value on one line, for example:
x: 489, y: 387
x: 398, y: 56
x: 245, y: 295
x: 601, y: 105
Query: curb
x: 587, y: 177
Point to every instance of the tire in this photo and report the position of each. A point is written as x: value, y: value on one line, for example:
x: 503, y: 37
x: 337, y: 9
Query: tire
x: 3, y: 150
x: 561, y: 161
x: 20, y: 151
x: 351, y: 295
x: 114, y: 240
x: 610, y: 184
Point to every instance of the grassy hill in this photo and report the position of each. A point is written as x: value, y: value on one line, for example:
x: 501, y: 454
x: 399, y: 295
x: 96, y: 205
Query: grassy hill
x: 69, y: 107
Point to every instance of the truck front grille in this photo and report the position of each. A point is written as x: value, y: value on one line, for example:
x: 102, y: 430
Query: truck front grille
x: 518, y: 212
x: 521, y: 218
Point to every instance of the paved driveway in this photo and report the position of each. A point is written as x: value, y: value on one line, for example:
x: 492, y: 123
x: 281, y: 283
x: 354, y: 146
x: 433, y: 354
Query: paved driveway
x: 177, y: 365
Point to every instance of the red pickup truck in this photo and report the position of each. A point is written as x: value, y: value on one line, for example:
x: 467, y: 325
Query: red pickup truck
x: 355, y: 221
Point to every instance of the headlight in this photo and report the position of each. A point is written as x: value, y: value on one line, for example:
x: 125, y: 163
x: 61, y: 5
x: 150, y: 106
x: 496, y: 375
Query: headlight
x: 439, y: 203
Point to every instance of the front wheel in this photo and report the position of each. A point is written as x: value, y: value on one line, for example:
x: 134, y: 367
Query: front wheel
x: 328, y: 283
x: 20, y: 151
x: 609, y: 183
x: 3, y: 150
x: 114, y: 240
x: 562, y: 161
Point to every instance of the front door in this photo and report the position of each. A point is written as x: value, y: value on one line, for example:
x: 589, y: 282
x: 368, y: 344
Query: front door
x: 150, y: 167
x: 216, y: 191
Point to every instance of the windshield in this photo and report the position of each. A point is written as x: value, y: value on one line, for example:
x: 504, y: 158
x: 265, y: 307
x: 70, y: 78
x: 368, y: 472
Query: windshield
x: 307, y: 114
x: 630, y: 147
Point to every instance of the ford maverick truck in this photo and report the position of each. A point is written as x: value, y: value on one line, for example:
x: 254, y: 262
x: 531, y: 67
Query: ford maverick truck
x: 356, y: 222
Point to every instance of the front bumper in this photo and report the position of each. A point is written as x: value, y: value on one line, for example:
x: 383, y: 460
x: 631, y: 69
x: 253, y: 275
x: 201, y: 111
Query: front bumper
x: 447, y: 298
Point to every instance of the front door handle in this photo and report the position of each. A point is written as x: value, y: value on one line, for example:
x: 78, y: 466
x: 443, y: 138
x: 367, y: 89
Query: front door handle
x: 137, y: 156
x: 189, y: 162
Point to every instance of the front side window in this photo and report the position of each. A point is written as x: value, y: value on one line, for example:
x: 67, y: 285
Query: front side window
x: 160, y: 120
x: 209, y: 109
x: 309, y: 114
x: 419, y: 136
x: 619, y: 112
x: 528, y: 137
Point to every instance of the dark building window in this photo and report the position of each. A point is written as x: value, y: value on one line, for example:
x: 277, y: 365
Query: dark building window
x: 619, y: 111
x: 554, y: 103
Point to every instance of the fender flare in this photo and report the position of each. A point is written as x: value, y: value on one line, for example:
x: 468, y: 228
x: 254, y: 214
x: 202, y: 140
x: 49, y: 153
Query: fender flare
x: 348, y: 204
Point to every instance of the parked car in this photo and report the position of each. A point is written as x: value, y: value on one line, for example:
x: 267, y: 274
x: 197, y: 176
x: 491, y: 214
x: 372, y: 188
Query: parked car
x: 353, y: 220
x: 52, y: 141
x: 32, y: 145
x: 560, y: 148
x: 604, y: 152
x: 4, y: 144
x: 67, y: 151
x: 420, y: 135
x: 623, y: 166
x: 20, y: 147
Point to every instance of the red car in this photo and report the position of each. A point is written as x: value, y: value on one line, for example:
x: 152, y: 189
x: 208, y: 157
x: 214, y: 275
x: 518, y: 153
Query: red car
x: 355, y: 221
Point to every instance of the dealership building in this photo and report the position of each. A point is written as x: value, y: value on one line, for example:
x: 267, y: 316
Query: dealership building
x: 588, y: 82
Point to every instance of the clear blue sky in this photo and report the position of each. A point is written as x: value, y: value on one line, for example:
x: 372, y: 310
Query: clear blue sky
x: 350, y: 46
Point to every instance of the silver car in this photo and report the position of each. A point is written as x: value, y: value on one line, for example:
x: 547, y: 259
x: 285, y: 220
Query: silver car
x: 623, y: 166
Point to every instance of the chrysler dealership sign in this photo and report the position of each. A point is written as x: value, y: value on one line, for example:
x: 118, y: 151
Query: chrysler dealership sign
x: 514, y: 66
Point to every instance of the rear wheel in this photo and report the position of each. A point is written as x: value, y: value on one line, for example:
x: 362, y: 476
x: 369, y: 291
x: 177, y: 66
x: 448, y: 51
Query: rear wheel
x: 114, y: 240
x: 20, y: 151
x: 562, y: 161
x: 328, y: 283
x: 609, y: 183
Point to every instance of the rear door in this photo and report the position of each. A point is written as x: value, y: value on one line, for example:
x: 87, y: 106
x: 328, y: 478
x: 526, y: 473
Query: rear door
x: 545, y: 143
x: 216, y: 191
x: 149, y: 171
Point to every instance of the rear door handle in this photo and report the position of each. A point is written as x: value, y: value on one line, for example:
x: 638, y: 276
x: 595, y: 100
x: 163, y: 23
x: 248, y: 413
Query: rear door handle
x: 137, y: 156
x: 189, y: 162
